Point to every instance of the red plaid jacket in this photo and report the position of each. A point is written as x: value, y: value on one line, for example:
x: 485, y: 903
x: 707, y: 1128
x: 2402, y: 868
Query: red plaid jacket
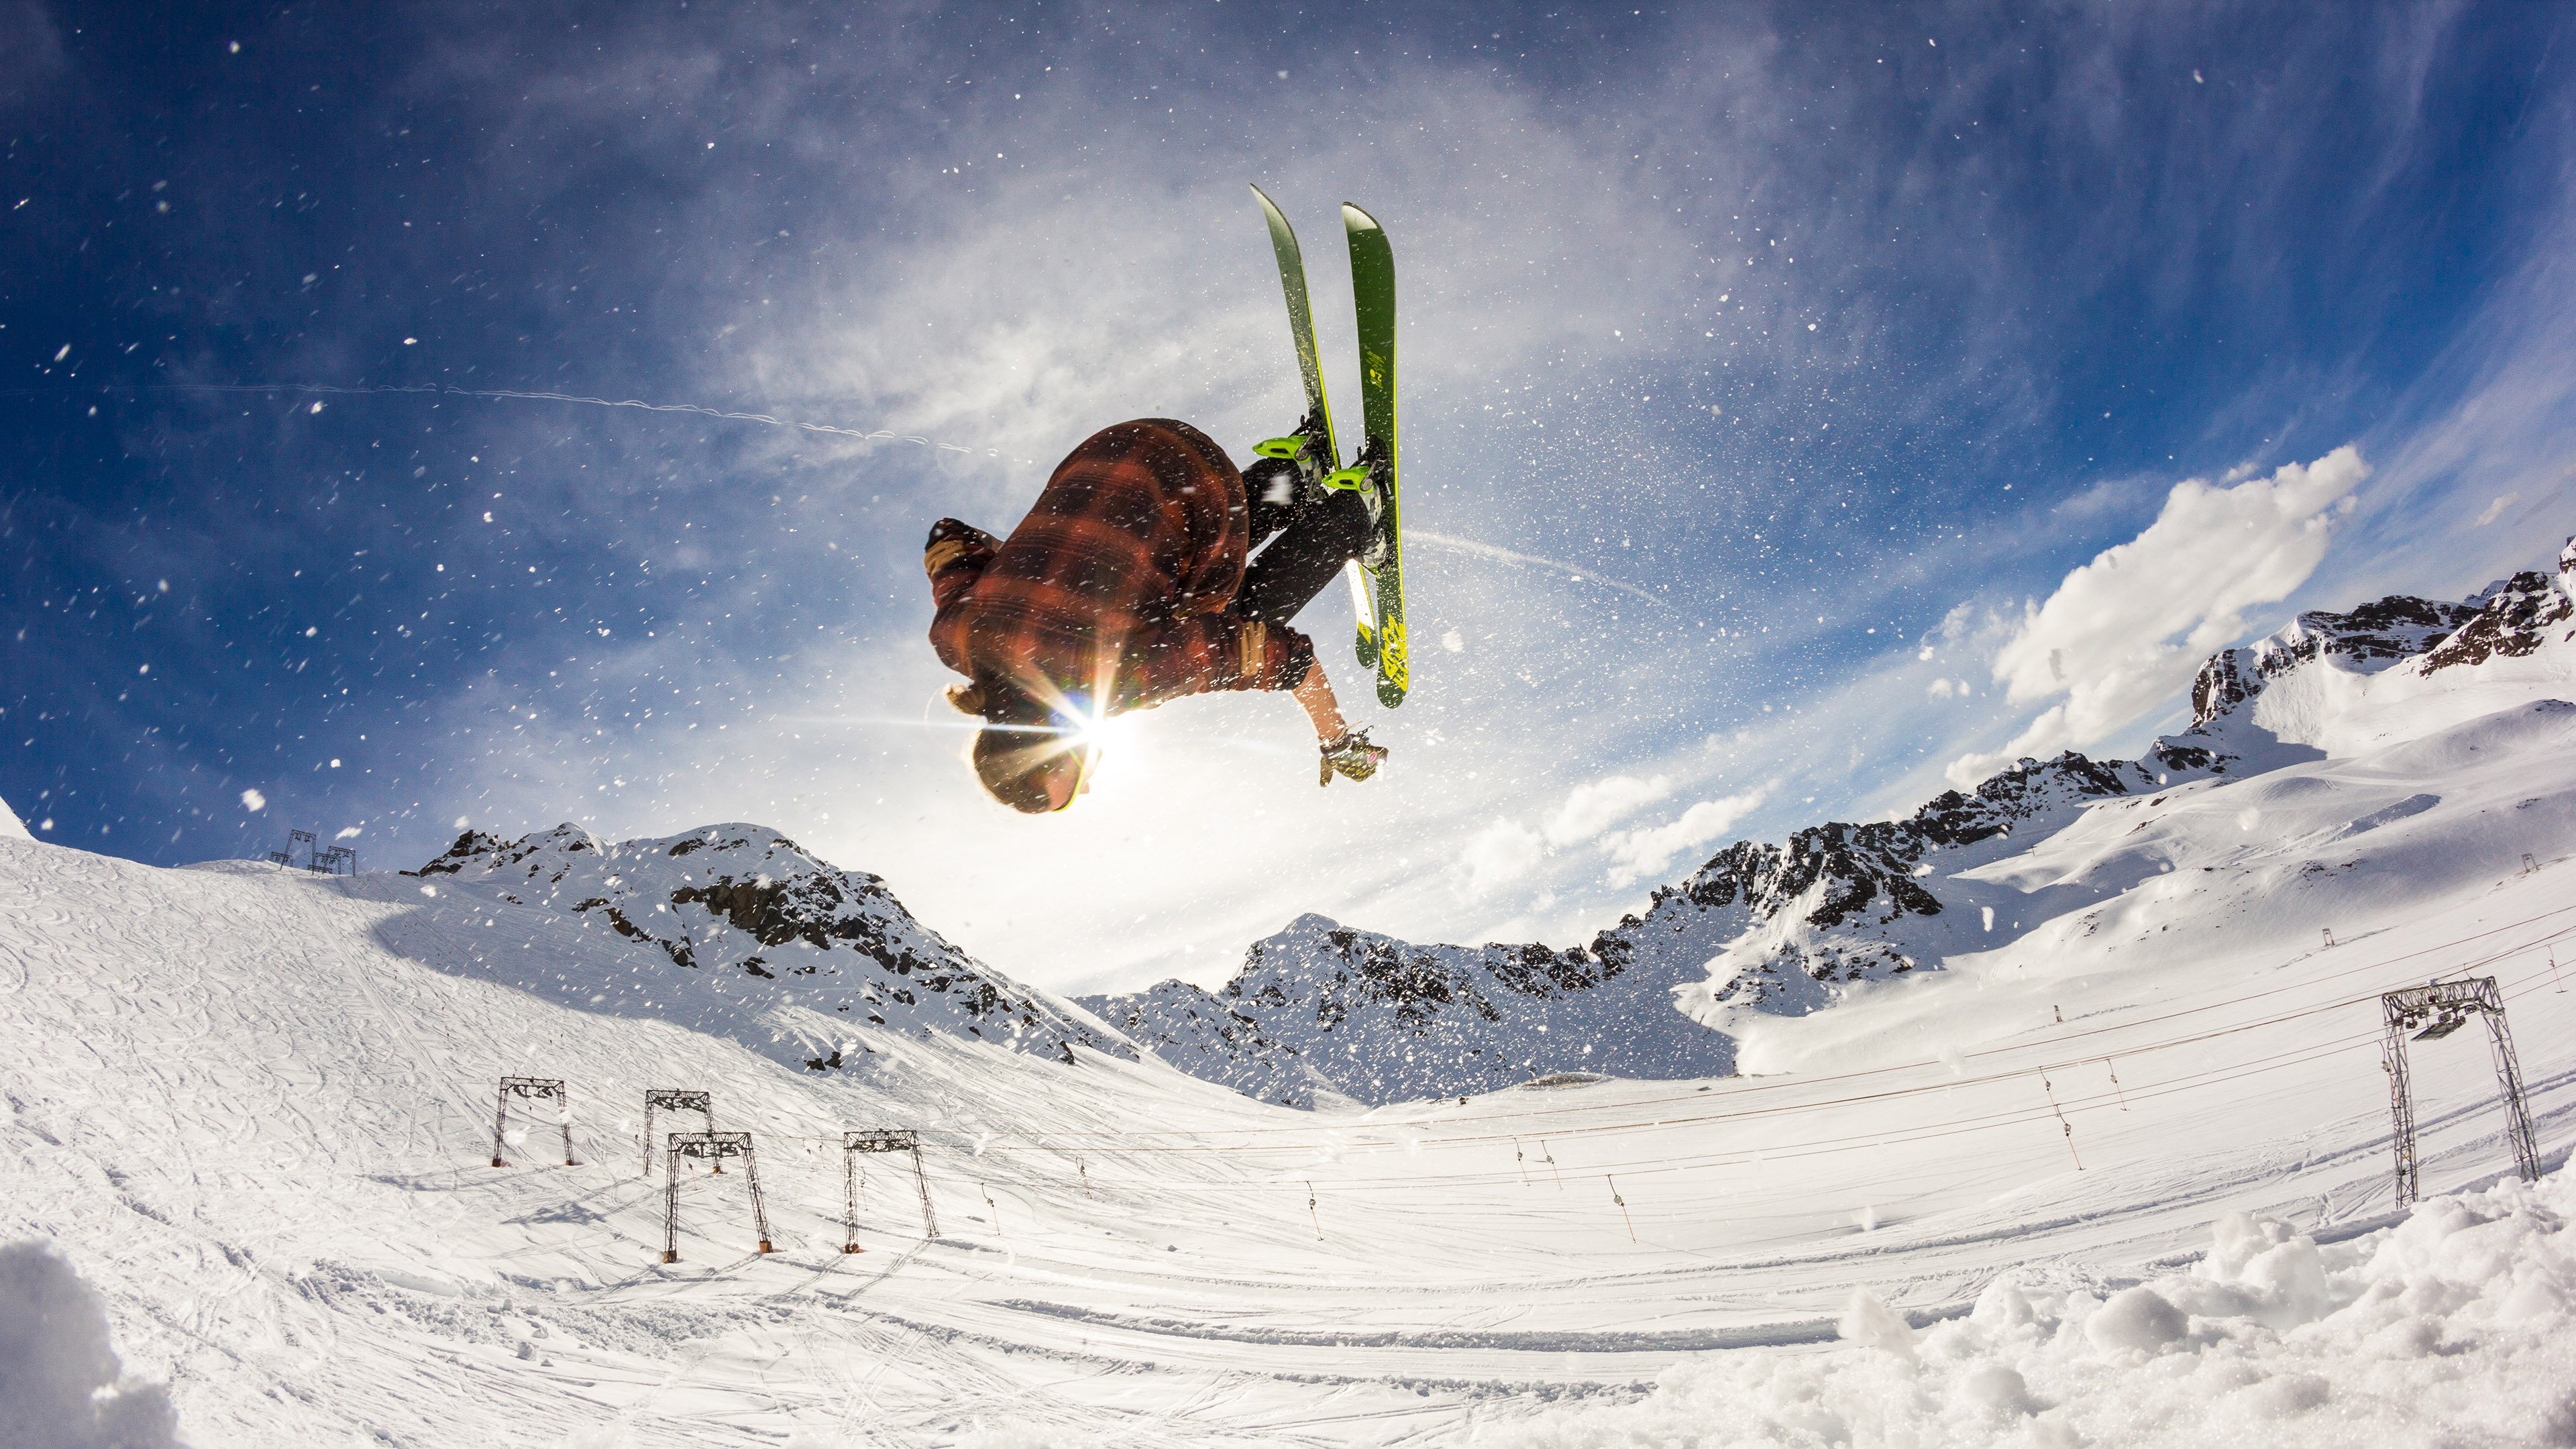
x: 1116, y: 589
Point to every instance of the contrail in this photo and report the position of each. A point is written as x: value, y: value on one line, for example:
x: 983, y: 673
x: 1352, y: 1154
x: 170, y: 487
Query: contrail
x: 1505, y: 555
x: 878, y: 435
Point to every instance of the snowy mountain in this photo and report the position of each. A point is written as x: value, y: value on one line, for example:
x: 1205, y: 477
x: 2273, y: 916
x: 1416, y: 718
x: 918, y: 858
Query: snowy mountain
x: 2114, y: 1172
x: 1320, y: 1011
x: 1782, y: 930
x: 744, y: 901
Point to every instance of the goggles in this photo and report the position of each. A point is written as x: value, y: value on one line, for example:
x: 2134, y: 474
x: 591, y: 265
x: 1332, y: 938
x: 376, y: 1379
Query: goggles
x: 1087, y: 755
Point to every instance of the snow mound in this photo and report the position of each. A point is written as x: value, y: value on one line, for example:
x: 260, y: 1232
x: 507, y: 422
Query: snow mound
x: 60, y: 1377
x: 2451, y: 1327
x: 11, y: 827
x: 738, y: 900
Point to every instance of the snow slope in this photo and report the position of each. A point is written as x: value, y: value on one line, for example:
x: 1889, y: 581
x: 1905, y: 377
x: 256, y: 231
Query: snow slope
x: 253, y: 1108
x: 1764, y: 931
x: 1988, y: 1204
x: 2449, y: 1328
x: 11, y: 827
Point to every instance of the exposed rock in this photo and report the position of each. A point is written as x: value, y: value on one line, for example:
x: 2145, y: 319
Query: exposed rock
x: 2372, y: 637
x: 1761, y: 928
x: 2520, y: 615
x: 1320, y: 1008
x: 747, y: 900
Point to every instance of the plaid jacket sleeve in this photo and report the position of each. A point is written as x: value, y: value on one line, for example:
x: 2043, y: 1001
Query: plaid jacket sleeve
x: 1209, y: 653
x: 954, y: 557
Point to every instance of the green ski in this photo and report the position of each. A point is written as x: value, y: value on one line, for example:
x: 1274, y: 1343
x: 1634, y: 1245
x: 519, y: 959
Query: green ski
x: 1312, y: 446
x: 1373, y: 296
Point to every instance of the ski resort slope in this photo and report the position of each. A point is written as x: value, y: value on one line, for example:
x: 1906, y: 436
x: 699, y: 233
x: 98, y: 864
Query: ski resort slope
x: 253, y: 1108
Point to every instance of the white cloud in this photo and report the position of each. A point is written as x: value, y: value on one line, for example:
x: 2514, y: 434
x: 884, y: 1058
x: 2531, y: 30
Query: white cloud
x: 2126, y: 630
x: 1939, y: 688
x: 1506, y: 851
x: 1636, y: 854
x: 1499, y: 854
x: 1595, y: 807
x: 2496, y: 509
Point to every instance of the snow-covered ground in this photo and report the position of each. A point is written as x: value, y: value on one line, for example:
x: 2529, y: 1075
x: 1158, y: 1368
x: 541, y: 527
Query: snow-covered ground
x: 2122, y: 1178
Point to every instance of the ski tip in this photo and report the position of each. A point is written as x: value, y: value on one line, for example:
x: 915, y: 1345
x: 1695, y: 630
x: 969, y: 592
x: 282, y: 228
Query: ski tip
x: 1356, y: 220
x: 1268, y: 206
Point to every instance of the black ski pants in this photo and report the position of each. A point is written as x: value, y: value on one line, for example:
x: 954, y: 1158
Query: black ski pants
x: 1311, y: 534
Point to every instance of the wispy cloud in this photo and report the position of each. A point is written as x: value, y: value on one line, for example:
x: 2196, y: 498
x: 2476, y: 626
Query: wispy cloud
x: 1638, y: 854
x: 2125, y: 631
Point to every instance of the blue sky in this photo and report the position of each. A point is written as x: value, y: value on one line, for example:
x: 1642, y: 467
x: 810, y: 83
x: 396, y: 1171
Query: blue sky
x: 1767, y: 372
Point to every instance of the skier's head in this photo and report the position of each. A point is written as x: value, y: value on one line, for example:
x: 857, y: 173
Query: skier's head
x: 1035, y: 774
x: 1023, y: 756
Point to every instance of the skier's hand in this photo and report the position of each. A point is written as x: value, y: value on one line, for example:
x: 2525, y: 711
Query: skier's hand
x: 951, y: 541
x: 1350, y: 755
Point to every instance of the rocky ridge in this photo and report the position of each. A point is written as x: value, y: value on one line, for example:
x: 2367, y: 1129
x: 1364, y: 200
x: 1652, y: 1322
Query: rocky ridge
x: 1321, y: 1011
x: 745, y: 900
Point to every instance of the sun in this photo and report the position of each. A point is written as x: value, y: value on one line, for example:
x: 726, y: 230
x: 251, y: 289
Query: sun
x: 1118, y: 761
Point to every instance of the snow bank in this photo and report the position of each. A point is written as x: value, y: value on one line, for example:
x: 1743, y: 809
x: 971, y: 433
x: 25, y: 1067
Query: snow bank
x: 59, y: 1377
x: 11, y: 827
x: 2458, y: 1326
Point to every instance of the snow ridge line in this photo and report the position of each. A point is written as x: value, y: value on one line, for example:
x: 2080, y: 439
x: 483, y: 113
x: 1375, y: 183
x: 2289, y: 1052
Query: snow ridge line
x: 1871, y: 1141
x: 2560, y: 934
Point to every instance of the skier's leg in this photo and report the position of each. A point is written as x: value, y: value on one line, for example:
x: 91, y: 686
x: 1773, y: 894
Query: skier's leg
x: 1300, y: 563
x: 1270, y: 487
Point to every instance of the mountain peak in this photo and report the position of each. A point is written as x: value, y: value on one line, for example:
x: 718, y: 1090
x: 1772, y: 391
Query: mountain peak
x: 744, y: 899
x: 1763, y: 929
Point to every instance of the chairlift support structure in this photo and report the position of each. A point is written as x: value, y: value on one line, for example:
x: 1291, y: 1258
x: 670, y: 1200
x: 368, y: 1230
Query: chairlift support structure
x: 2429, y: 1013
x: 676, y: 1099
x: 714, y: 1147
x: 861, y: 1140
x: 531, y: 1088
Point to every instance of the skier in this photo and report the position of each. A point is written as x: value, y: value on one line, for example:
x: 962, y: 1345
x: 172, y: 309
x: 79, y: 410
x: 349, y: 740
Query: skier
x: 1130, y: 583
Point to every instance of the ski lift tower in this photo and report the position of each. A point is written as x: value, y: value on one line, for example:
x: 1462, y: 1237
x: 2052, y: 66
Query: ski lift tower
x: 715, y: 1147
x: 2429, y: 1013
x: 532, y: 1089
x: 676, y: 1099
x: 874, y: 1140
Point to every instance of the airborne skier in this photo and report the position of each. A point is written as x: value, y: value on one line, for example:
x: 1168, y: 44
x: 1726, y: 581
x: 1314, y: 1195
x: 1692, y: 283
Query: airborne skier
x: 1126, y: 586
x: 1132, y: 580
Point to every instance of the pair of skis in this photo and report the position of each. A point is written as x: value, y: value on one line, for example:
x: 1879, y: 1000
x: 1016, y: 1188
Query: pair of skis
x: 1377, y: 576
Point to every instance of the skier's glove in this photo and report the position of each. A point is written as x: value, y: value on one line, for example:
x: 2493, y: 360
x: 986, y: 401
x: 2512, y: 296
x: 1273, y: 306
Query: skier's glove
x: 1351, y: 756
x: 951, y: 542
